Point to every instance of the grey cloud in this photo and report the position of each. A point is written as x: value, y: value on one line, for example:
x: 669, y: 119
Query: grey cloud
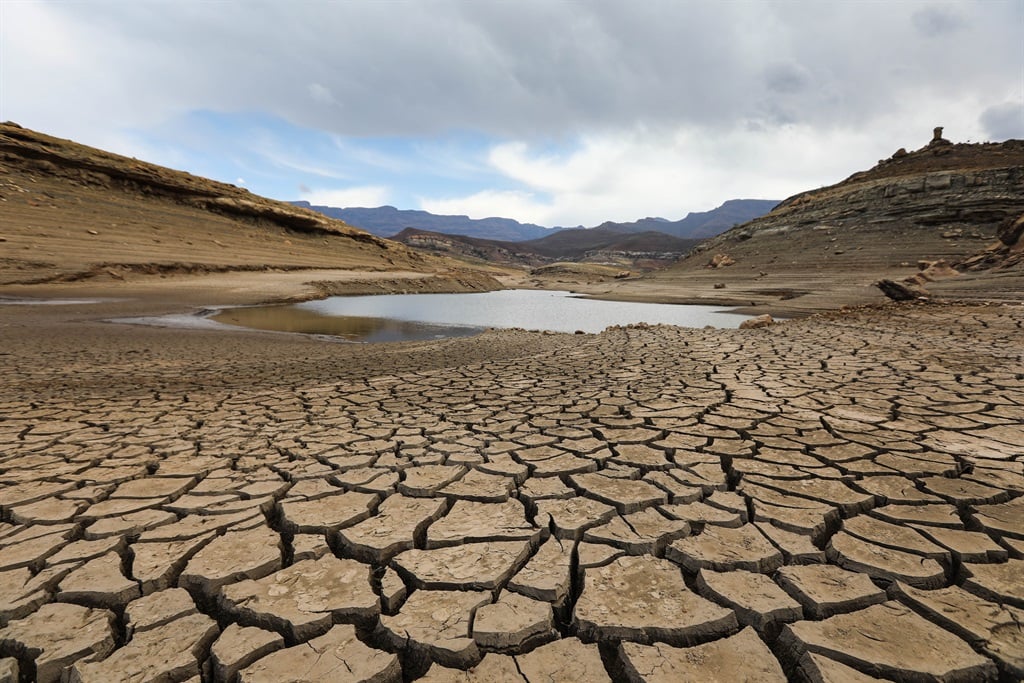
x: 532, y: 67
x: 1004, y: 121
x: 937, y: 21
x: 786, y: 78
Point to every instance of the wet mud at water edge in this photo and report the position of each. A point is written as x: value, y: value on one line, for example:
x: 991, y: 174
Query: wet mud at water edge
x: 289, y: 318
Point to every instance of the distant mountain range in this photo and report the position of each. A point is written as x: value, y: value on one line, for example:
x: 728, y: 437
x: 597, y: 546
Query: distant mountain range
x: 387, y: 221
x: 701, y: 224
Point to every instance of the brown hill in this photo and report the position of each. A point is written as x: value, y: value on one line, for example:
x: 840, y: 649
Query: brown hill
x: 75, y: 212
x: 471, y: 248
x: 642, y: 250
x: 943, y: 201
x: 609, y: 244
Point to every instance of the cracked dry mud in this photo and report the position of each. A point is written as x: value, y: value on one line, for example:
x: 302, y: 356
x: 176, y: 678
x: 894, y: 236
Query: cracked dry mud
x: 832, y: 499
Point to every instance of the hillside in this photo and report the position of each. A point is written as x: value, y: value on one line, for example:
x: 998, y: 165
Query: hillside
x: 387, y: 221
x: 583, y: 243
x: 74, y: 212
x: 827, y: 247
x: 471, y: 248
x: 639, y: 250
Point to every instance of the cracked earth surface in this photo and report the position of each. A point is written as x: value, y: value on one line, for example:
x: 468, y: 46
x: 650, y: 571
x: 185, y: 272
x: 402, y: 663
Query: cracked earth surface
x: 832, y: 499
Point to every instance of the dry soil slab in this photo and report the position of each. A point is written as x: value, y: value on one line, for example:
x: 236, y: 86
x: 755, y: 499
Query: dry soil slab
x: 645, y: 502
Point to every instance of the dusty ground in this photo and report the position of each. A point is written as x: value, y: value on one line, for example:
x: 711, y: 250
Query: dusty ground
x: 833, y: 498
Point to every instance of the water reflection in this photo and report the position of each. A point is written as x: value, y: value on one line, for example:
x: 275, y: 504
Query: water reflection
x: 29, y: 301
x: 289, y: 318
x: 412, y: 317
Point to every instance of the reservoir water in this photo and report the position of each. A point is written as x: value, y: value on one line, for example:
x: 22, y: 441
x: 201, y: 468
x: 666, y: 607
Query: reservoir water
x: 412, y: 317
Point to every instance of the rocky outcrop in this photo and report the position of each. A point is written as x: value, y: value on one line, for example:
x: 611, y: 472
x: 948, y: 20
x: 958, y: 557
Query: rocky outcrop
x: 913, y: 287
x: 1007, y: 253
x: 943, y: 201
x: 1011, y: 230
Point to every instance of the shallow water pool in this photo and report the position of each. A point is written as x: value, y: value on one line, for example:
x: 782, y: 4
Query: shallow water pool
x: 411, y: 317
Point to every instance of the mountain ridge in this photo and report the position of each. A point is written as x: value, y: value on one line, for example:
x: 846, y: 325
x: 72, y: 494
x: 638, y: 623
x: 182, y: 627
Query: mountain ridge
x: 389, y: 221
x: 701, y: 224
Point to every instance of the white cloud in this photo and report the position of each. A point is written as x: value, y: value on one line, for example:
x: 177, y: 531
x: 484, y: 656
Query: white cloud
x: 345, y: 197
x: 299, y: 164
x: 492, y: 203
x: 321, y: 94
x: 669, y: 172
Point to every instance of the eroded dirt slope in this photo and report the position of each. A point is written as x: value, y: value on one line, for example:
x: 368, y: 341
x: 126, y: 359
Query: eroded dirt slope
x: 70, y: 211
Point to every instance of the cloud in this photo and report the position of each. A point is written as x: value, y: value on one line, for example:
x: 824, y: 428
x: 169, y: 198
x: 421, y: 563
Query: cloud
x: 510, y: 69
x: 1004, y: 121
x: 492, y: 203
x: 345, y: 197
x: 321, y: 94
x: 556, y: 109
x: 936, y: 21
x: 786, y: 78
x: 669, y: 172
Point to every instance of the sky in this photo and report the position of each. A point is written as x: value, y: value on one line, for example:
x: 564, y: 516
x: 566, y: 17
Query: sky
x: 547, y: 111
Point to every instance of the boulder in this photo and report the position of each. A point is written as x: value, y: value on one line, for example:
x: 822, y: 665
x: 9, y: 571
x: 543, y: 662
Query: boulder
x: 1011, y: 230
x: 901, y: 291
x: 760, y: 321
